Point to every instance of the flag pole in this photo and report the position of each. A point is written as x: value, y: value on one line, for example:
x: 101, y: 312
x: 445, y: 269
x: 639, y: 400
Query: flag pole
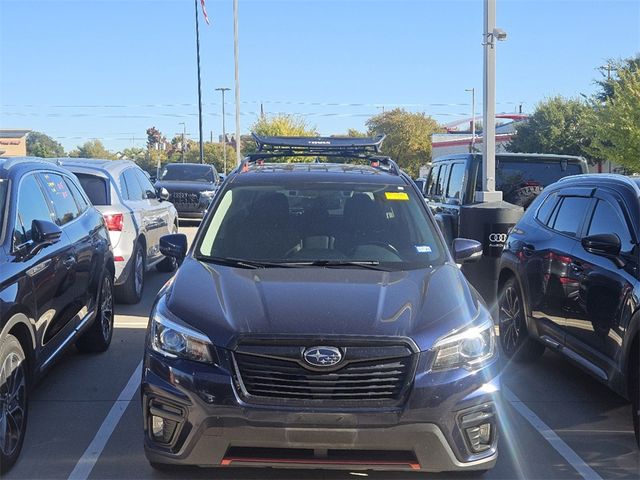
x: 195, y: 2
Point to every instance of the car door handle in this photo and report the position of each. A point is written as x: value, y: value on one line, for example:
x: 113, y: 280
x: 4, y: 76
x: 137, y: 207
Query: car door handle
x: 69, y: 262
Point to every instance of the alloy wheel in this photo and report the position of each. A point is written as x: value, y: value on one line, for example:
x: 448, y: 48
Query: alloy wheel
x: 139, y: 273
x: 510, y: 320
x: 13, y: 398
x: 106, y: 307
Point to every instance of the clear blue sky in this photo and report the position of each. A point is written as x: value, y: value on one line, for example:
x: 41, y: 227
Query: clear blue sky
x: 109, y: 69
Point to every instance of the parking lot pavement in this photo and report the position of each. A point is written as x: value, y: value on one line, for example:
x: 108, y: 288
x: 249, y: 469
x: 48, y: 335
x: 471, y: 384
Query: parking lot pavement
x: 557, y: 421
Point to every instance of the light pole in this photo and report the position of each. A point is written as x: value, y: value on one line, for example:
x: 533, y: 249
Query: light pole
x: 491, y: 35
x: 184, y: 131
x: 473, y: 118
x: 224, y: 131
x: 236, y: 60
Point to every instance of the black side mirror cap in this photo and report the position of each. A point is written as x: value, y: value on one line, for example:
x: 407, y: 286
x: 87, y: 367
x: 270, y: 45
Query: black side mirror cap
x: 44, y: 232
x: 466, y: 250
x: 174, y: 245
x: 605, y: 244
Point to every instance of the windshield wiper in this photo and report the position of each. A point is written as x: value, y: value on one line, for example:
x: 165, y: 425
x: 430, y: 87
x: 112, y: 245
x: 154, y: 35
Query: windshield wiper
x: 242, y: 263
x: 368, y: 264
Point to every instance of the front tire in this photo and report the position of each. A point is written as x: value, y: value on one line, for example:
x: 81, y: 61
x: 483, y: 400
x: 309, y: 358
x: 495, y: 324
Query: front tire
x: 130, y: 292
x: 634, y: 384
x: 13, y: 401
x: 98, y: 338
x: 514, y: 336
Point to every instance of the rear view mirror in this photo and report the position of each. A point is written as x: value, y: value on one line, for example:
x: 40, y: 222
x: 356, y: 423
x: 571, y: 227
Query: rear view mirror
x: 605, y: 244
x: 44, y: 232
x: 174, y: 245
x: 466, y: 250
x: 163, y: 194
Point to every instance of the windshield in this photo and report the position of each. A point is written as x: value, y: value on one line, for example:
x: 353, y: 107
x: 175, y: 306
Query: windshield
x: 329, y: 222
x: 3, y: 202
x: 188, y: 173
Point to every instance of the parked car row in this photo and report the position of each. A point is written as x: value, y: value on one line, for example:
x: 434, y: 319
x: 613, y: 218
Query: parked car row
x: 74, y: 233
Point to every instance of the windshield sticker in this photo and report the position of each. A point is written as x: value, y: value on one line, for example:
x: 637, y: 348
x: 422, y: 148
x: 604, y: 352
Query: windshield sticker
x: 423, y: 249
x: 396, y: 195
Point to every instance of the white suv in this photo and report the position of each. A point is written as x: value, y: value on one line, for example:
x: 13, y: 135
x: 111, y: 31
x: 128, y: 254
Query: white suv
x: 136, y: 215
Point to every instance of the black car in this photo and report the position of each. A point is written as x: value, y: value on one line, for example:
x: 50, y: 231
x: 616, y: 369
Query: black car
x: 454, y: 180
x: 191, y: 187
x: 56, y: 283
x: 318, y: 320
x: 570, y: 280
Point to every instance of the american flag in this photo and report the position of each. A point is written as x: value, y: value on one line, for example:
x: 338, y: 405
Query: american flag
x: 204, y: 12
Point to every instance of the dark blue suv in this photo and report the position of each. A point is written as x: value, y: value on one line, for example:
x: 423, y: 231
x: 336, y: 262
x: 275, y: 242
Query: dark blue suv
x: 570, y: 280
x: 318, y: 320
x: 56, y: 283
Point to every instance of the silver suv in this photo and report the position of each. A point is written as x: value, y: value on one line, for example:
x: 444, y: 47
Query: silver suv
x: 136, y: 215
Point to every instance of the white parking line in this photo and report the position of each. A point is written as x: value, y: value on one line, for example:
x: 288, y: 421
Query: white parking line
x: 550, y: 436
x: 83, y: 468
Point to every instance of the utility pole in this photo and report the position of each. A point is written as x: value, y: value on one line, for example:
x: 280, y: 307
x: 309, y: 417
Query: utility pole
x: 490, y: 37
x: 224, y: 131
x: 184, y: 131
x: 473, y: 118
x: 236, y: 60
x: 195, y: 2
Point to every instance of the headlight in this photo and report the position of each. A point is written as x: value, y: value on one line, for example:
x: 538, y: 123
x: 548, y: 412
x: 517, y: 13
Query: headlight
x: 174, y: 340
x: 468, y: 348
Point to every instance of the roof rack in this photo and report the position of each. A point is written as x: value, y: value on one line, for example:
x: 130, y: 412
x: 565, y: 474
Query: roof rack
x: 354, y: 147
x: 319, y: 145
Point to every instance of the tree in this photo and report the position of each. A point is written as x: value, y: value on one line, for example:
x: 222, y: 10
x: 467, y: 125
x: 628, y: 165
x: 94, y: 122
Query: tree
x: 41, y: 145
x: 92, y: 149
x: 558, y: 125
x: 155, y: 139
x: 615, y: 123
x: 408, y: 137
x: 611, y: 77
x: 213, y: 154
x: 278, y: 125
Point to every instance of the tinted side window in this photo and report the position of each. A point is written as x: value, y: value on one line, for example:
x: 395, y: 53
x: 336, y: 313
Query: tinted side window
x: 568, y: 216
x: 77, y: 195
x: 133, y: 186
x: 547, y: 207
x: 608, y: 218
x: 32, y: 205
x: 456, y: 181
x: 432, y: 180
x: 95, y: 187
x: 61, y: 198
x: 442, y: 181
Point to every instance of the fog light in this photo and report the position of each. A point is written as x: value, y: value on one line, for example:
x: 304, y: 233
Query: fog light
x: 162, y: 429
x: 479, y: 437
x: 157, y: 426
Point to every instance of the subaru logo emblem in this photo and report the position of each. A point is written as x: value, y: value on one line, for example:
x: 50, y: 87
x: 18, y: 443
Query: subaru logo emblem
x: 322, y: 356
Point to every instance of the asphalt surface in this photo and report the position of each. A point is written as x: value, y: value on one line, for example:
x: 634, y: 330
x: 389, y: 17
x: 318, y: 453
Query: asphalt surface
x: 558, y: 423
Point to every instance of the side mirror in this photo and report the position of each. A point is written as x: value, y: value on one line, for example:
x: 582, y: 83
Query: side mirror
x: 605, y: 244
x: 162, y: 194
x: 45, y: 233
x: 174, y: 245
x: 150, y: 194
x: 466, y: 250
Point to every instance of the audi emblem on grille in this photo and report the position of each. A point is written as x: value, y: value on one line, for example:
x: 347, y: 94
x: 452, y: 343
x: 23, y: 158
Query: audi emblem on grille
x: 322, y: 356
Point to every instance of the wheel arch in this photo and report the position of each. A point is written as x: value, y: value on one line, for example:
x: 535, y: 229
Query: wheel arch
x: 20, y: 327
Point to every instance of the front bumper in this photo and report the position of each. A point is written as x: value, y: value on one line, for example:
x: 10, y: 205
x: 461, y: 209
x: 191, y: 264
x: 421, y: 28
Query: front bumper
x: 214, y: 426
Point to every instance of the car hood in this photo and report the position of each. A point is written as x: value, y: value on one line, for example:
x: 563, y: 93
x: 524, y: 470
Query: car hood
x: 195, y: 187
x: 228, y: 303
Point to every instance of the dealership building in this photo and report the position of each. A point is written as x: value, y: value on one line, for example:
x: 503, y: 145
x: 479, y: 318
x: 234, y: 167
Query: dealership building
x: 13, y: 142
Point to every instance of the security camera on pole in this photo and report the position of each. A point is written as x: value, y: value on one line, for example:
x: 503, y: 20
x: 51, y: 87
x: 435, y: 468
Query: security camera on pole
x: 489, y: 219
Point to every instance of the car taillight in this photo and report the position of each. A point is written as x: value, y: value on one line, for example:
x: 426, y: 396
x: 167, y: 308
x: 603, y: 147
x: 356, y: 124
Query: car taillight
x: 114, y: 222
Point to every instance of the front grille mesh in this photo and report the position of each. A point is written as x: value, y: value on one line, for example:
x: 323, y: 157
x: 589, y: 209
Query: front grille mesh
x: 364, y: 380
x: 185, y: 198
